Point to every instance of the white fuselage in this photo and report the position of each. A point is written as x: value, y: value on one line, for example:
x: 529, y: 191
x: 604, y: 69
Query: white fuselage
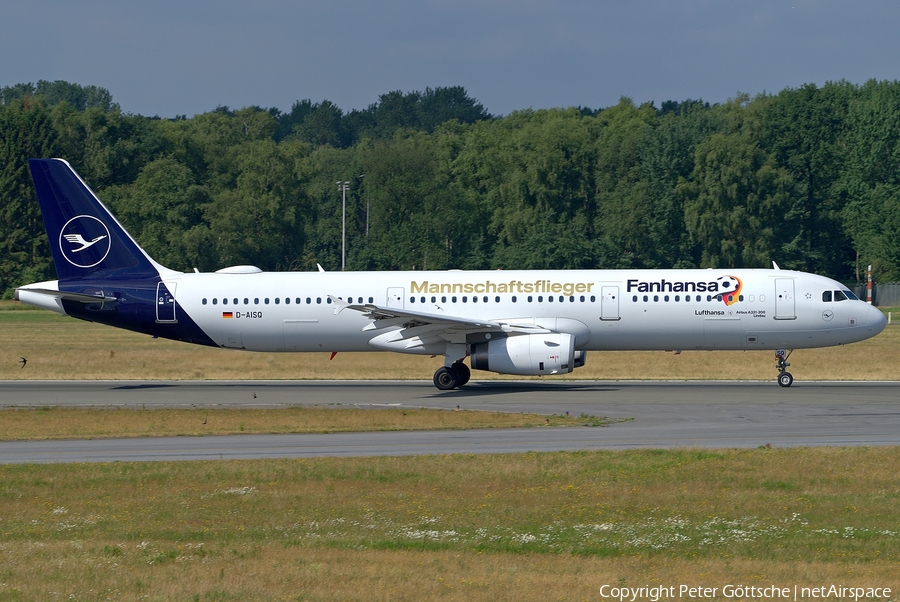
x: 621, y: 309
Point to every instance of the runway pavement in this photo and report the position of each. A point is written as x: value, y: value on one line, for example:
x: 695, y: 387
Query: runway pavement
x: 662, y: 415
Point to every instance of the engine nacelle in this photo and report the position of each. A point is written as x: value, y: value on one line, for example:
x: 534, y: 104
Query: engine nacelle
x: 526, y: 355
x: 580, y: 358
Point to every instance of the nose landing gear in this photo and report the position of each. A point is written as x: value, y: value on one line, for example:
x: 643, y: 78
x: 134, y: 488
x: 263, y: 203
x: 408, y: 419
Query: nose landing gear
x: 785, y: 379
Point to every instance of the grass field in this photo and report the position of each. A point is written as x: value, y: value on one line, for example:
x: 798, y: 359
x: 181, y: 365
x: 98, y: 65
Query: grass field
x: 33, y: 424
x: 488, y: 527
x: 59, y: 347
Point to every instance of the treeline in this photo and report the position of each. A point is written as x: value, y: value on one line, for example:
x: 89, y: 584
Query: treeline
x: 808, y: 177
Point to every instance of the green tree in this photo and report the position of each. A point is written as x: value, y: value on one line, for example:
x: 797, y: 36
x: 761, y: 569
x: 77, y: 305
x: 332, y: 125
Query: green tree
x: 164, y: 209
x: 736, y: 202
x: 258, y: 220
x: 26, y: 131
x: 871, y: 177
x: 805, y: 130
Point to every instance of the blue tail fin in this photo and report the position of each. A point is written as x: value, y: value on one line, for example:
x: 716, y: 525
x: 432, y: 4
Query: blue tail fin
x: 84, y: 236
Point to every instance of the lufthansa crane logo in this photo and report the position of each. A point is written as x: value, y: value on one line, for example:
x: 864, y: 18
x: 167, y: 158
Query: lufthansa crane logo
x: 84, y: 241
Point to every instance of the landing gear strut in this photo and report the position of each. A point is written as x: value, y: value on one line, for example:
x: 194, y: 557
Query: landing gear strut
x: 446, y: 378
x: 785, y: 379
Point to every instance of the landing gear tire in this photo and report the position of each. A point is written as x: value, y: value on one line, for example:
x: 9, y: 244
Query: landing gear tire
x: 462, y: 373
x: 445, y: 379
x: 785, y: 379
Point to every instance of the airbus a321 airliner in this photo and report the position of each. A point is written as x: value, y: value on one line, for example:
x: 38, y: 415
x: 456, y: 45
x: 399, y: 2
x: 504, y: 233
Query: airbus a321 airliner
x: 539, y: 322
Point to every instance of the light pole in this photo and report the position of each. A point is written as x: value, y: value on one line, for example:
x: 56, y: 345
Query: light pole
x: 343, y: 187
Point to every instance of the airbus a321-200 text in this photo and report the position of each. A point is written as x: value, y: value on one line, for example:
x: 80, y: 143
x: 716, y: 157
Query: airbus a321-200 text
x: 536, y: 322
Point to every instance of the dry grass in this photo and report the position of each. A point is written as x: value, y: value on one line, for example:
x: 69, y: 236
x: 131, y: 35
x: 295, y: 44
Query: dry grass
x: 63, y: 348
x: 508, y: 527
x: 111, y: 571
x: 77, y: 423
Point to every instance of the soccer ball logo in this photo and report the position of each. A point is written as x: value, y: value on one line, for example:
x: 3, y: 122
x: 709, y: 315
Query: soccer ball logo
x: 729, y: 288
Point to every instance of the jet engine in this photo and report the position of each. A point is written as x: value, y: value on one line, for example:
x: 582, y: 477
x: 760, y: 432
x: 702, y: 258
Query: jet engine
x: 527, y: 355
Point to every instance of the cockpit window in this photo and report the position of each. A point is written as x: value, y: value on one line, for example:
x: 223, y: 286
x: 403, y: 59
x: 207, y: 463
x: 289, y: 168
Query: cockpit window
x: 850, y: 295
x: 840, y: 296
x: 826, y: 296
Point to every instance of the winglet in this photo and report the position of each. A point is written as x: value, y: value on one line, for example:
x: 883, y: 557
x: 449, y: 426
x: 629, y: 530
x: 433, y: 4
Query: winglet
x: 339, y: 305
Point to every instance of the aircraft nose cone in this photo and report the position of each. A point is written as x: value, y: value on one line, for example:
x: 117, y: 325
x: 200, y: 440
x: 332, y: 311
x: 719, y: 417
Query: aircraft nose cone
x: 876, y: 320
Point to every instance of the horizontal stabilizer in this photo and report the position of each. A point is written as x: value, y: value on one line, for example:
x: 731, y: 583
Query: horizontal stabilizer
x: 79, y: 297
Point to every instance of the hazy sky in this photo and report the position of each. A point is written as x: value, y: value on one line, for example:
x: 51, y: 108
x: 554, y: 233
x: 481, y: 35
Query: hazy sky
x: 170, y: 57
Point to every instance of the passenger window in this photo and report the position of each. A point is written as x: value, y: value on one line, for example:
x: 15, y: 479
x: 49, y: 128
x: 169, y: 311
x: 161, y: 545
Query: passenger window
x: 593, y: 298
x: 204, y: 301
x: 412, y: 299
x: 235, y: 301
x: 666, y: 298
x: 266, y: 300
x: 655, y: 298
x: 215, y: 301
x: 513, y: 298
x: 549, y: 298
x: 277, y: 301
x: 443, y: 299
x: 465, y: 299
x: 224, y: 301
x: 434, y: 299
x: 371, y: 300
x: 646, y: 298
x: 474, y: 299
x: 256, y: 301
x: 298, y: 301
x: 677, y: 298
x: 453, y: 299
x: 319, y: 300
x: 247, y: 301
x: 633, y: 299
x: 839, y: 296
x: 308, y: 300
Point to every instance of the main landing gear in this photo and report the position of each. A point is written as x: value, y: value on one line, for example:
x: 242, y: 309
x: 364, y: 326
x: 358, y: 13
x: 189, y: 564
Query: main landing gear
x: 784, y: 377
x: 449, y: 378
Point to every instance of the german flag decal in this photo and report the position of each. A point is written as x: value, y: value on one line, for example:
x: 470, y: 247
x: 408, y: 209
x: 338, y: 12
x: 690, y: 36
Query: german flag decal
x: 227, y: 314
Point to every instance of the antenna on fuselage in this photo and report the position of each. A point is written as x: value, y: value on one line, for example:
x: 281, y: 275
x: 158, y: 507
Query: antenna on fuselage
x: 775, y: 266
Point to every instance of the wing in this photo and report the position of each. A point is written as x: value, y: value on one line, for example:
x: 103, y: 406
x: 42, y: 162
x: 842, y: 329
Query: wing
x: 435, y: 324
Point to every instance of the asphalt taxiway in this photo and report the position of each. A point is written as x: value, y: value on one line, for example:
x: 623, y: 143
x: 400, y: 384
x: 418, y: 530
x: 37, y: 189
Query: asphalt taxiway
x: 650, y: 414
